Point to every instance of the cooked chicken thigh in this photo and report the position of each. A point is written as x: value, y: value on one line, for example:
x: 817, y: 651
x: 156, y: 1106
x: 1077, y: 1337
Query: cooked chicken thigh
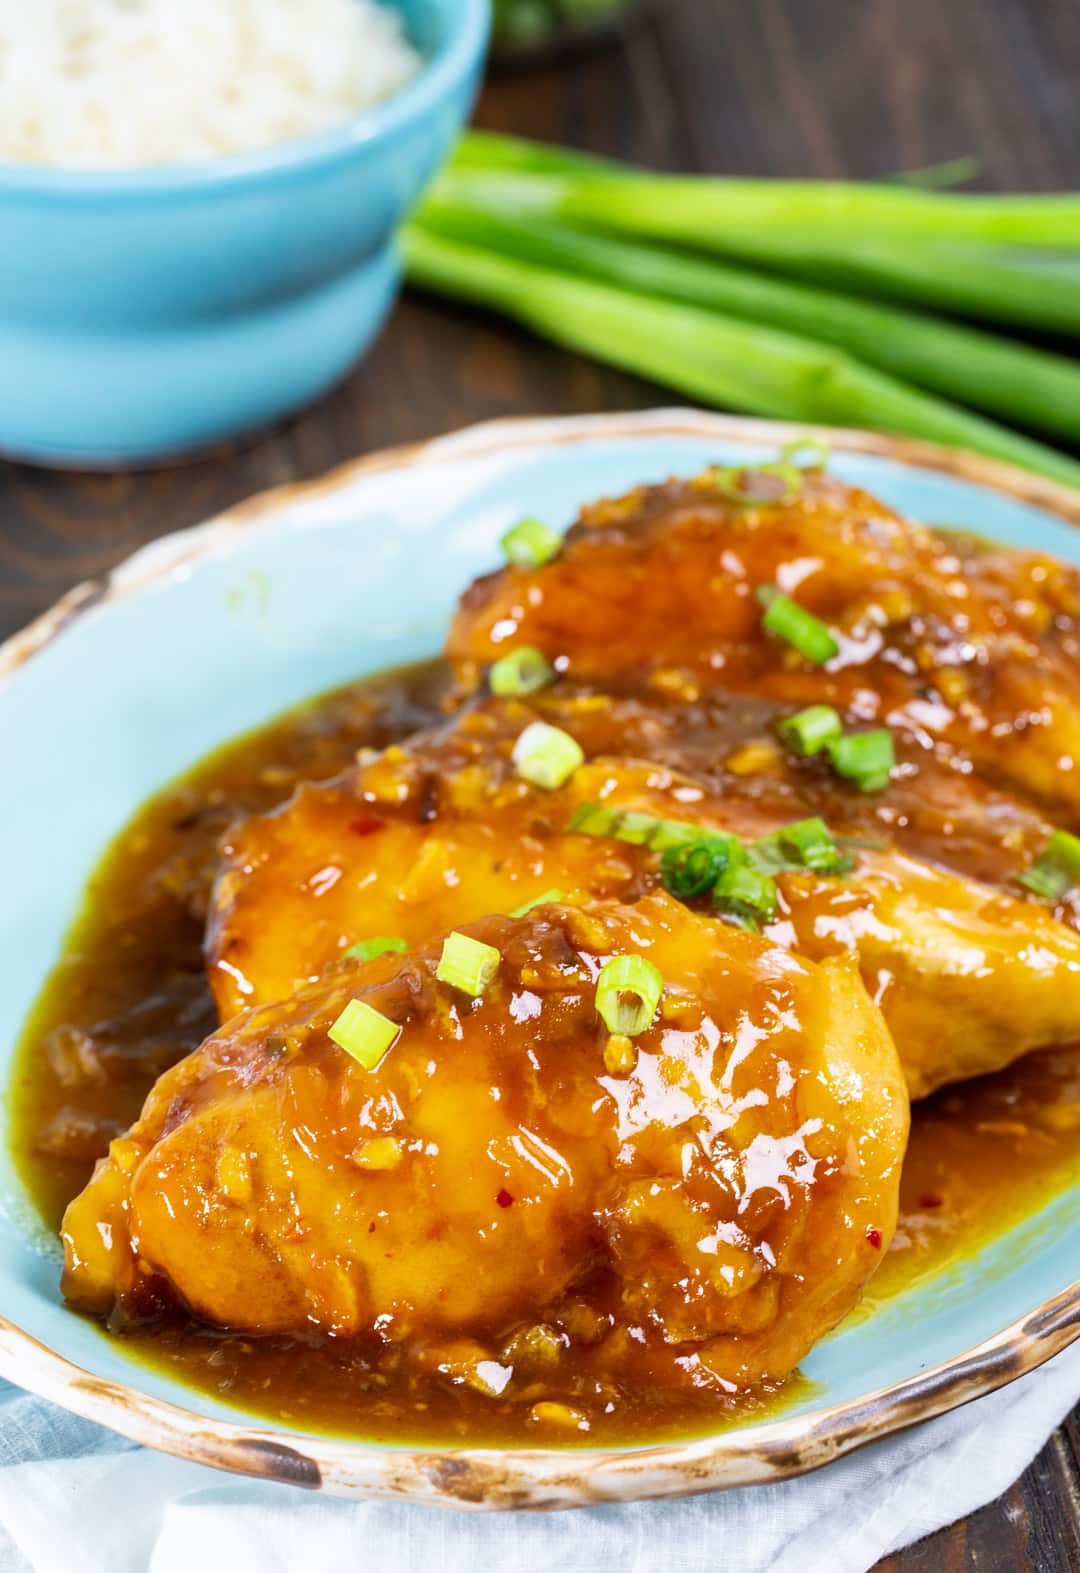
x: 723, y: 1182
x: 445, y: 831
x: 969, y: 978
x: 950, y: 641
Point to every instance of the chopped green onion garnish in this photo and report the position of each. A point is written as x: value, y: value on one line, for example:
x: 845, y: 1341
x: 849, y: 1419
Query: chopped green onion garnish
x: 745, y: 895
x: 796, y: 626
x: 737, y: 485
x: 811, y: 841
x: 593, y: 819
x: 806, y: 844
x: 368, y: 949
x: 530, y: 544
x: 696, y: 861
x: 537, y: 901
x: 523, y: 671
x: 364, y: 1033
x: 691, y: 870
x: 1045, y: 880
x: 792, y: 453
x: 546, y: 756
x: 467, y: 964
x: 772, y: 857
x: 1057, y: 868
x: 639, y: 830
x: 628, y: 991
x: 811, y: 730
x: 863, y: 843
x: 865, y: 759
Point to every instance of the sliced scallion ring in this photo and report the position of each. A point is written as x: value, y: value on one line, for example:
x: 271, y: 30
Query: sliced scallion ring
x: 691, y: 870
x: 745, y: 895
x: 364, y: 1033
x: 467, y: 964
x: 1057, y: 868
x: 546, y: 756
x: 628, y: 991
x: 808, y: 843
x: 731, y: 482
x: 524, y: 671
x: 530, y: 544
x: 864, y: 758
x: 792, y: 452
x: 796, y: 626
x: 811, y: 730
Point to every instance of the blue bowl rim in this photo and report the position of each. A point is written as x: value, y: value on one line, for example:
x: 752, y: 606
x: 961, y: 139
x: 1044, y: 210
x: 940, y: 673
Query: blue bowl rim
x: 321, y: 150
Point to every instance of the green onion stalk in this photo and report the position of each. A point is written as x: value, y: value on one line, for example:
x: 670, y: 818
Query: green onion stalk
x: 1030, y: 387
x: 710, y: 356
x: 491, y: 150
x: 487, y: 150
x: 1007, y: 258
x: 900, y: 212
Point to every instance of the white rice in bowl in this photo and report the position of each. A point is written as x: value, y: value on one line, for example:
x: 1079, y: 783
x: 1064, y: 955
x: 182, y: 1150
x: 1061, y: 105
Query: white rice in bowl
x: 122, y: 82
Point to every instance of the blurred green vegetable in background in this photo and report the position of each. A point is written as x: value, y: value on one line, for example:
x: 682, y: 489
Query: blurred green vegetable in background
x: 808, y: 300
x: 526, y: 24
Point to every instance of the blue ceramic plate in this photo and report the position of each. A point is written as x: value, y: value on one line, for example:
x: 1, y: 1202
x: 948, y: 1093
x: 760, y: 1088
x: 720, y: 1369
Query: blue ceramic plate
x: 209, y: 633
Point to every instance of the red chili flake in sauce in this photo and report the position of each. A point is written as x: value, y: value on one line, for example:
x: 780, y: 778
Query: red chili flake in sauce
x: 874, y: 1238
x: 931, y: 1201
x: 504, y: 1199
x: 365, y: 826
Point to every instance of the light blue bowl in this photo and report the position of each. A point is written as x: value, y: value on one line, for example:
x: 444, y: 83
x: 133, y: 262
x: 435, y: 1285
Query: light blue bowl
x: 146, y: 312
x: 209, y: 633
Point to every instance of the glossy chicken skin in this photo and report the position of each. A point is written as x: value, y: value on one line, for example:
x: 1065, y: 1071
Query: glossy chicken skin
x: 969, y: 977
x: 730, y: 1179
x: 442, y: 830
x: 955, y: 644
x: 416, y: 841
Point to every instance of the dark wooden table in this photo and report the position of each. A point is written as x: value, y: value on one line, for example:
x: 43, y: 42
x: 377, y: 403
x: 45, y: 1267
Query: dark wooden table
x: 775, y: 87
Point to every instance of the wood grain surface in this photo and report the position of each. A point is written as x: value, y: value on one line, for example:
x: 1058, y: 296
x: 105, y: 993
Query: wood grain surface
x: 857, y: 88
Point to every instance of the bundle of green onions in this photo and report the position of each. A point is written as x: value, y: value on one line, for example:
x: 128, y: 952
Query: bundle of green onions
x: 800, y: 300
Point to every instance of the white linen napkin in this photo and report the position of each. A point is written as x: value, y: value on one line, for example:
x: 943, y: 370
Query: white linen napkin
x: 77, y: 1499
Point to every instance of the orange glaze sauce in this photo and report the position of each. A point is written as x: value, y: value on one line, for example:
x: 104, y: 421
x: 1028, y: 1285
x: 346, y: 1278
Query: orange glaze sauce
x: 129, y: 997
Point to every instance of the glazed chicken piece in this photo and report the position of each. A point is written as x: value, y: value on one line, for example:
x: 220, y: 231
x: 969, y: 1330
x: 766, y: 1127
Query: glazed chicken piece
x: 416, y: 841
x: 969, y: 977
x: 724, y: 1182
x: 954, y: 643
x: 442, y: 830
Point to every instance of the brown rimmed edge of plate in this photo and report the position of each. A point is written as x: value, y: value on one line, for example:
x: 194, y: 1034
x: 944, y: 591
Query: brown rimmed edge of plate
x: 479, y: 1479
